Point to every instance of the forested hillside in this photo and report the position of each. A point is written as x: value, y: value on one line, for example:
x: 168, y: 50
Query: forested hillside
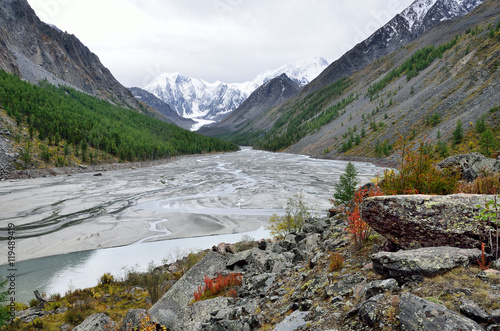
x: 441, y: 89
x: 60, y: 123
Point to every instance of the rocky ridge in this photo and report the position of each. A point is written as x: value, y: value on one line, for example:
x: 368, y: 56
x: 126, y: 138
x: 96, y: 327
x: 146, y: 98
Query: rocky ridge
x: 36, y: 51
x: 291, y: 284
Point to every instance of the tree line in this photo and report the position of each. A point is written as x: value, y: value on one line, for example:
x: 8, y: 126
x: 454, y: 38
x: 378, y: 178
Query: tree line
x: 57, y: 113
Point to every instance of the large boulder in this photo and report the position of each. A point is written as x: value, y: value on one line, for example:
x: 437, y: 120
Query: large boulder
x: 470, y: 165
x: 414, y: 221
x: 416, y: 313
x: 180, y: 294
x: 413, y: 265
x: 255, y: 258
x: 96, y: 322
x: 192, y: 317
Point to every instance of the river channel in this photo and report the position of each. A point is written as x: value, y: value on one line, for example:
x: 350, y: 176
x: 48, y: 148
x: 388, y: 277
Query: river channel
x: 69, y: 230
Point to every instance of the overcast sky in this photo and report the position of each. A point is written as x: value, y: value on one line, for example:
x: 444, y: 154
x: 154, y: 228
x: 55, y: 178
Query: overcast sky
x: 227, y: 40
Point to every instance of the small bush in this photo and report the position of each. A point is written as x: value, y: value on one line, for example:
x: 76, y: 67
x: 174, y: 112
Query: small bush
x: 487, y: 183
x: 221, y: 285
x: 78, y: 313
x: 52, y: 305
x: 416, y: 174
x: 246, y: 243
x: 294, y: 218
x: 37, y: 323
x: 356, y: 226
x: 106, y: 279
x: 336, y: 261
x: 33, y: 303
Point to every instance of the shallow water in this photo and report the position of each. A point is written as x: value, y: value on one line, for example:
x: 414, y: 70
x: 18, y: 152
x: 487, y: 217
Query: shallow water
x: 144, y: 210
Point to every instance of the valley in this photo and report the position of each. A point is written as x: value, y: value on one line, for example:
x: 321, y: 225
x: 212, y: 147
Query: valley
x: 200, y: 196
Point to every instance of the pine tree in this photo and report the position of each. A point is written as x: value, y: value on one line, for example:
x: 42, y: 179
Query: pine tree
x: 488, y: 142
x: 458, y: 133
x: 346, y: 187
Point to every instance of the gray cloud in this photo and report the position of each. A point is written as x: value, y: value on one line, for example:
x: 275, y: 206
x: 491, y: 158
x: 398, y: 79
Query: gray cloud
x: 227, y: 40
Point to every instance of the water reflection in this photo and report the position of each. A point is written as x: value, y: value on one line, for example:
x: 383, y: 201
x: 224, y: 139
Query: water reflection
x: 58, y: 274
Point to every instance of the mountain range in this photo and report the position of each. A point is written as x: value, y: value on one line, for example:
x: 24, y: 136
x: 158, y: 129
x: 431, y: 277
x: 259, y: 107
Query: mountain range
x: 196, y: 98
x: 432, y: 66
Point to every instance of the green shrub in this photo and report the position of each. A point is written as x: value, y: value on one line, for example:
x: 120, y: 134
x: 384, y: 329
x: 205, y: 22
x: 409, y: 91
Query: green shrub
x: 295, y: 216
x: 416, y: 174
x: 4, y: 312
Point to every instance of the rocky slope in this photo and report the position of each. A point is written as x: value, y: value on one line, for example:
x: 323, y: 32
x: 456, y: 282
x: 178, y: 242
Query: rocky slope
x: 271, y: 94
x: 461, y: 84
x: 401, y: 30
x: 162, y: 108
x: 35, y: 51
x: 316, y: 280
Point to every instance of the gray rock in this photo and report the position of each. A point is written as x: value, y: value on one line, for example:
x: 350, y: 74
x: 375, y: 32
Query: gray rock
x: 240, y: 259
x: 266, y: 260
x: 344, y: 286
x: 496, y: 265
x: 258, y: 284
x: 227, y: 325
x: 367, y: 310
x: 415, y: 221
x: 180, y: 294
x: 315, y: 225
x: 65, y: 327
x: 470, y: 165
x: 317, y: 283
x: 133, y: 319
x: 310, y: 243
x: 192, y: 317
x: 293, y: 321
x: 380, y: 286
x: 96, y: 322
x: 332, y: 244
x: 472, y: 310
x: 289, y: 243
x: 416, y: 313
x: 413, y: 265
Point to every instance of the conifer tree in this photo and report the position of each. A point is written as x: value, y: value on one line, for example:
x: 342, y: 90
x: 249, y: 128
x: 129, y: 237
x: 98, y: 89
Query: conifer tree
x: 346, y: 187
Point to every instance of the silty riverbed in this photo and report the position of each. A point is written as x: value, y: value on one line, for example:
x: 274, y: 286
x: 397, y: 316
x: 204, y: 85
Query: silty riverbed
x: 128, y: 218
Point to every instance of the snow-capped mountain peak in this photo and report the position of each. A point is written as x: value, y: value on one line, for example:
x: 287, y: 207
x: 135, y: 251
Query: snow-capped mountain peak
x: 196, y: 98
x: 417, y: 11
x: 422, y: 13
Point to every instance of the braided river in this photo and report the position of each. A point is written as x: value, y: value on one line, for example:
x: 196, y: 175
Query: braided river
x: 70, y: 230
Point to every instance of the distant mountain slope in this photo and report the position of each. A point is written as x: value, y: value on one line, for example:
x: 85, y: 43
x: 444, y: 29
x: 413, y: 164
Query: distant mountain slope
x: 196, y: 98
x: 448, y: 73
x: 271, y: 94
x: 162, y: 107
x: 34, y: 50
x: 402, y: 29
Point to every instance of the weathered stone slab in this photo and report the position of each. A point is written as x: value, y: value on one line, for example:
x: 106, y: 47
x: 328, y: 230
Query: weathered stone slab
x: 181, y: 293
x: 293, y: 321
x: 470, y: 165
x: 192, y: 317
x: 96, y: 322
x: 416, y: 313
x: 414, y: 221
x: 424, y: 262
